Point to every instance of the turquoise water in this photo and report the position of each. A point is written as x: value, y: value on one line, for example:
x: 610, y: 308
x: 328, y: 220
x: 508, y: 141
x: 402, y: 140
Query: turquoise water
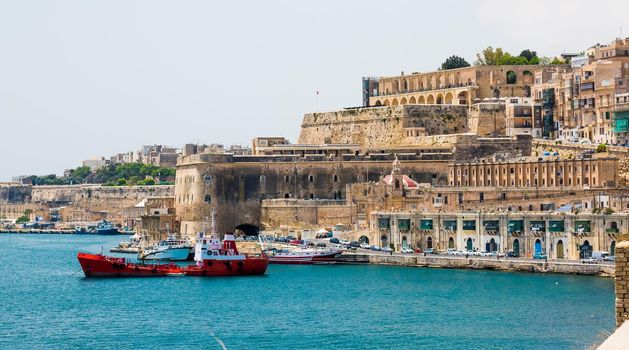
x: 47, y: 304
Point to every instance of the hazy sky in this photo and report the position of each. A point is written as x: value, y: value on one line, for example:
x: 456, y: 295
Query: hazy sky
x: 82, y: 78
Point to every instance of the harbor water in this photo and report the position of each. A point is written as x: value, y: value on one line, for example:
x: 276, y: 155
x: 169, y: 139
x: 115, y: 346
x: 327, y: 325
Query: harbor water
x: 46, y: 303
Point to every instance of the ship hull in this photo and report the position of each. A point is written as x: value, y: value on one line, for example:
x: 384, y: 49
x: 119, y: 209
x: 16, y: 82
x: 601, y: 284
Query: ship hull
x: 96, y: 265
x: 305, y: 259
x: 107, y: 231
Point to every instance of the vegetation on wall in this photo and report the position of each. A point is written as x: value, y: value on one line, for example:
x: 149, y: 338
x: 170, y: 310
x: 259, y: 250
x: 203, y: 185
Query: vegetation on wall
x: 454, y: 62
x: 111, y: 175
x: 497, y: 57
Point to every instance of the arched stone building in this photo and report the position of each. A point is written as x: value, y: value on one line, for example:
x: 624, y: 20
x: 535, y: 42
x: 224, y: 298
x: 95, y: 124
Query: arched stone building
x: 457, y: 86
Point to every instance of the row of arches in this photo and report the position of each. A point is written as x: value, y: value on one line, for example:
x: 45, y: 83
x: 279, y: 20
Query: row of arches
x: 427, y: 82
x: 430, y: 99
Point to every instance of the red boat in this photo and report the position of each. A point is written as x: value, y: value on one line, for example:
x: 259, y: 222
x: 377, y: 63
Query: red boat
x: 212, y: 257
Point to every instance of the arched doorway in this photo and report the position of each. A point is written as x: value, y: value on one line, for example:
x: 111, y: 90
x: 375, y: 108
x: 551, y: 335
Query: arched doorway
x: 404, y: 242
x: 469, y: 246
x: 586, y: 250
x: 248, y: 229
x: 516, y: 247
x: 384, y: 241
x: 560, y: 249
x: 364, y: 239
x: 538, y: 246
x: 429, y: 242
x: 612, y: 248
x: 491, y: 246
x: 451, y: 243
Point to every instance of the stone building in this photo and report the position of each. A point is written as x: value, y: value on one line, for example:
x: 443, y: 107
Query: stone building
x: 460, y: 86
x: 559, y: 235
x: 549, y: 171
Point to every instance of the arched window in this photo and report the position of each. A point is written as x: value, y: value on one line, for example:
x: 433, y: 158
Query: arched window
x: 310, y: 178
x: 335, y: 178
x: 512, y: 77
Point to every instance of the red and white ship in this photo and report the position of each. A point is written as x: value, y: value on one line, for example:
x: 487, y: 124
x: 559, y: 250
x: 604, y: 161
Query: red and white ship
x: 304, y: 256
x: 212, y: 258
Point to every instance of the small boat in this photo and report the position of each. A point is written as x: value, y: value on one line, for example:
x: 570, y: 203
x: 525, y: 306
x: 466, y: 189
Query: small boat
x: 106, y: 228
x: 84, y: 230
x: 212, y: 258
x: 304, y: 256
x: 169, y: 249
x: 132, y: 246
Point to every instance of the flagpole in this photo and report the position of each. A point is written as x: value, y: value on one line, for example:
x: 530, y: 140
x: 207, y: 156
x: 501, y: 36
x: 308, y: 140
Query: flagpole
x: 317, y: 102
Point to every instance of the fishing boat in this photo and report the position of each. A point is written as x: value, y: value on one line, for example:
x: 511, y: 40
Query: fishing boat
x: 102, y: 228
x: 304, y: 256
x: 106, y: 228
x: 213, y: 257
x: 169, y: 249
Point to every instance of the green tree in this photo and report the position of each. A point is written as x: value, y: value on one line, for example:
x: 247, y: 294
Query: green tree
x: 147, y: 182
x: 529, y: 55
x: 601, y: 148
x: 488, y: 57
x: 80, y: 174
x: 121, y: 182
x: 557, y: 60
x: 22, y: 219
x: 454, y: 62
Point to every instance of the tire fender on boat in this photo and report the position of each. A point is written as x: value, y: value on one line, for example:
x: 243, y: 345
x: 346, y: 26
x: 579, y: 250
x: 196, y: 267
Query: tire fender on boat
x: 228, y: 264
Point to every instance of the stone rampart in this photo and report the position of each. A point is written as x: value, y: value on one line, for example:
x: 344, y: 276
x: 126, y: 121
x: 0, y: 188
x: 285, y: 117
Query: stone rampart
x: 381, y: 126
x: 622, y: 282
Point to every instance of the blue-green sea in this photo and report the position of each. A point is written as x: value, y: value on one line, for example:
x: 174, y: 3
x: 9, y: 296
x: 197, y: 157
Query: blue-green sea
x: 46, y: 303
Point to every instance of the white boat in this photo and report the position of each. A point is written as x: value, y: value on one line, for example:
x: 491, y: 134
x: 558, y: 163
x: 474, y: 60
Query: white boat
x: 132, y: 246
x: 170, y: 249
x: 304, y: 256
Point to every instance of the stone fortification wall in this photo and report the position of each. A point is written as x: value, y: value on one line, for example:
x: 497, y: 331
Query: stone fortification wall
x: 304, y: 213
x: 381, y: 126
x: 487, y: 119
x: 471, y: 146
x: 622, y: 282
x: 95, y: 193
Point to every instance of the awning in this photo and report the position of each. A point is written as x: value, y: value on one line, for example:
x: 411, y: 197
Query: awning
x: 491, y: 225
x: 515, y: 226
x: 404, y: 224
x: 540, y: 225
x: 556, y: 226
x: 425, y: 224
x: 449, y: 225
x: 469, y: 224
x: 582, y: 226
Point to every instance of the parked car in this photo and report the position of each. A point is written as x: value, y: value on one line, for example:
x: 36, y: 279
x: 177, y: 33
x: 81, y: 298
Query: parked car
x: 512, y: 254
x: 407, y: 251
x: 539, y: 255
x: 354, y: 244
x: 497, y: 254
x: 609, y: 258
x: 429, y: 251
x: 343, y: 242
x: 335, y: 240
x: 451, y: 251
x: 589, y: 260
x: 375, y: 248
x: 364, y: 246
x: 387, y: 249
x: 484, y: 253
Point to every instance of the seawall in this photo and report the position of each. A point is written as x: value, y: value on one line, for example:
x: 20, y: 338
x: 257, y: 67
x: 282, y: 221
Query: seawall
x: 481, y: 264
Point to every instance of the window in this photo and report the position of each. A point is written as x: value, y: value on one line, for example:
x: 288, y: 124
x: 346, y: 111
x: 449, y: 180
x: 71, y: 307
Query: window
x: 208, y: 198
x: 335, y: 178
x: 207, y: 179
x: 286, y: 178
x: 310, y: 178
x: 262, y: 178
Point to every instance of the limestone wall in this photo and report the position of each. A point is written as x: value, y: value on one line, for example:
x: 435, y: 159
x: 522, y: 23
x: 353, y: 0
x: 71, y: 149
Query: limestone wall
x: 297, y: 213
x: 381, y: 126
x: 622, y: 282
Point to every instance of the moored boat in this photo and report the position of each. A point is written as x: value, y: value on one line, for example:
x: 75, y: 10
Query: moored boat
x: 304, y: 256
x: 212, y: 258
x: 106, y: 228
x: 169, y: 249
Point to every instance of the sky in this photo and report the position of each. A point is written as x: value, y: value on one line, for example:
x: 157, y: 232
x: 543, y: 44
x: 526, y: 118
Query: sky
x: 81, y: 79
